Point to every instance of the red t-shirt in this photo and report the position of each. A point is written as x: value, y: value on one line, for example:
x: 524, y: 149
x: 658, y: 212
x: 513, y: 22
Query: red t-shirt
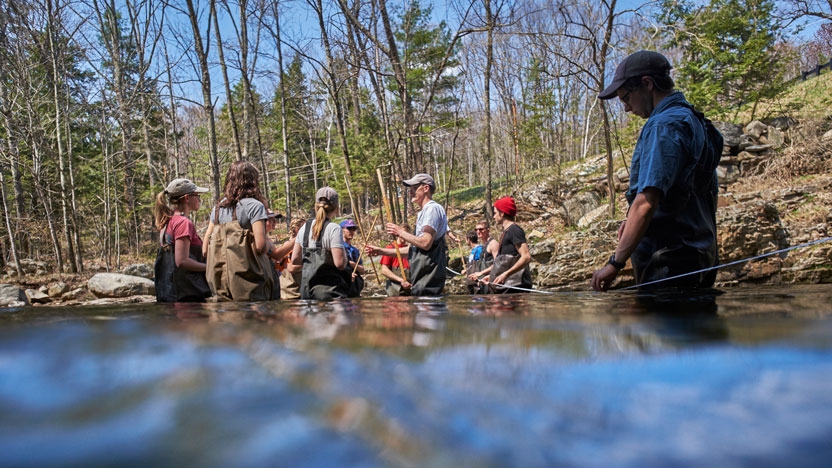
x: 392, y: 261
x: 180, y: 226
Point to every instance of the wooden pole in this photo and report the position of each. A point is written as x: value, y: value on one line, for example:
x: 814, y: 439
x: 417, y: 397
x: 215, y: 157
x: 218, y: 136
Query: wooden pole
x: 389, y: 214
x: 361, y: 230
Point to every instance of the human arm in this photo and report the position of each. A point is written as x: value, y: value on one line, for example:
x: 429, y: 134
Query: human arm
x: 182, y: 249
x: 525, y: 259
x: 386, y: 251
x: 207, y: 238
x: 262, y: 244
x: 279, y: 252
x: 635, y: 226
x: 391, y: 275
x: 423, y: 241
x: 339, y: 257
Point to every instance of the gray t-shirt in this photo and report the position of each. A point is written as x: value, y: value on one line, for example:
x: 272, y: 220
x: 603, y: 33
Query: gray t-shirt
x: 432, y: 215
x: 249, y: 210
x: 331, y: 238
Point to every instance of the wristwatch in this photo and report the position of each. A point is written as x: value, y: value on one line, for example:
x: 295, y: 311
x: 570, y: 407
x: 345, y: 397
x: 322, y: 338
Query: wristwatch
x: 616, y: 265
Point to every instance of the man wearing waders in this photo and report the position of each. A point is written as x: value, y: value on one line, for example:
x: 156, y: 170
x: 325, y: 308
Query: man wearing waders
x: 670, y: 229
x: 427, y: 252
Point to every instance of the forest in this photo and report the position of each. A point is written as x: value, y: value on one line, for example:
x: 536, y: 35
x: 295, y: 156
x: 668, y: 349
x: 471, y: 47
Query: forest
x: 102, y: 102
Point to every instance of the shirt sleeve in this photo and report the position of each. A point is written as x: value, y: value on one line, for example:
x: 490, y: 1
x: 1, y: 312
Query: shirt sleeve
x: 180, y: 227
x: 663, y: 156
x: 333, y: 238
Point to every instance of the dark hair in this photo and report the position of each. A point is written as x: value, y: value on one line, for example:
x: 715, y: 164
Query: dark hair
x: 662, y: 82
x: 472, y: 236
x: 242, y: 181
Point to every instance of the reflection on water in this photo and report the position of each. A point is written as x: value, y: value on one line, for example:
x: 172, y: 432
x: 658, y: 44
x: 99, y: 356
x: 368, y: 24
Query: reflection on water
x: 735, y: 378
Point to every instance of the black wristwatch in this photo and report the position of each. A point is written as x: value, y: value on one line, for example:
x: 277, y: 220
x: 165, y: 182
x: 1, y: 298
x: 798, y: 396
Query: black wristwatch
x: 616, y: 265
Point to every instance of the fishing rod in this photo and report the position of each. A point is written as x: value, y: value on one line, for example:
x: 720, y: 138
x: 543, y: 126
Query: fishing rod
x: 480, y: 280
x: 737, y: 262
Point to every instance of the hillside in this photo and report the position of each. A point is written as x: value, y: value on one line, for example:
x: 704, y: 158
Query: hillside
x: 770, y: 199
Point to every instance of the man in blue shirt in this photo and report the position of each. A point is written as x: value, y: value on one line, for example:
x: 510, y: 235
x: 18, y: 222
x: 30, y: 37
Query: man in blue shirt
x: 670, y: 229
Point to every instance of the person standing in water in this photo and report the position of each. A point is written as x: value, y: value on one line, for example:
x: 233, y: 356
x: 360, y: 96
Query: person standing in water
x: 180, y: 265
x: 319, y: 249
x: 670, y: 229
x: 427, y: 252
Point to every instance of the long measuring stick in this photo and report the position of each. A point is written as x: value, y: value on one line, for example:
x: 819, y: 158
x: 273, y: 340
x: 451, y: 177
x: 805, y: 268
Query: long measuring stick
x: 361, y: 230
x: 390, y: 219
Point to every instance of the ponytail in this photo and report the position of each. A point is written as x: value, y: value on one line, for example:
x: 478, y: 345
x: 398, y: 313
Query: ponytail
x: 321, y: 210
x: 162, y: 211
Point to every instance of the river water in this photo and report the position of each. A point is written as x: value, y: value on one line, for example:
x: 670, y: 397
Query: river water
x: 741, y: 378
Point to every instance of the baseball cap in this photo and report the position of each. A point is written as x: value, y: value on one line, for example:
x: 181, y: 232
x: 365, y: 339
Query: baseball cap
x: 637, y: 64
x: 273, y: 214
x: 178, y: 187
x: 420, y: 179
x: 327, y: 193
x: 348, y: 223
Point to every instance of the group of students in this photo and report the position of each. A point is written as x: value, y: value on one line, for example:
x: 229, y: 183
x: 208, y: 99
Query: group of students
x: 238, y: 261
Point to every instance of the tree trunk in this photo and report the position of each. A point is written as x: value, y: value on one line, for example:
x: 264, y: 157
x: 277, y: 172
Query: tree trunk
x: 207, y: 105
x: 235, y: 133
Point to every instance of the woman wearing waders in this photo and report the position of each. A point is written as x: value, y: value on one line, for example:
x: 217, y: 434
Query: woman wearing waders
x: 180, y: 265
x: 319, y: 248
x: 511, y: 264
x: 427, y: 253
x: 238, y: 266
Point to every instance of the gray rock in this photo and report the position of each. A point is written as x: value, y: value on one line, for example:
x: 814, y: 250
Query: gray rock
x: 542, y: 251
x: 139, y: 269
x: 775, y: 138
x: 580, y: 205
x: 119, y: 285
x: 75, y: 294
x: 37, y: 297
x: 731, y: 133
x: 12, y: 296
x: 827, y: 136
x: 782, y: 123
x: 756, y: 129
x: 57, y: 289
x: 593, y: 216
x: 758, y: 148
x: 727, y: 173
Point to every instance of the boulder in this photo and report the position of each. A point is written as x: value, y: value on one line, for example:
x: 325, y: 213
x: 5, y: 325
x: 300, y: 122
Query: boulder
x: 75, y: 294
x: 827, y: 136
x: 581, y: 204
x: 37, y: 297
x: 731, y: 133
x: 57, y: 289
x: 756, y: 129
x: 139, y: 269
x: 542, y: 251
x: 775, y: 138
x: 782, y: 123
x: 120, y: 285
x: 727, y: 173
x: 12, y: 296
x: 593, y: 216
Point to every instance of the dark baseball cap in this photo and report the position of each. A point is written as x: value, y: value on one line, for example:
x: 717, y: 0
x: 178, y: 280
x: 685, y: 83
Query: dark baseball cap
x: 637, y: 64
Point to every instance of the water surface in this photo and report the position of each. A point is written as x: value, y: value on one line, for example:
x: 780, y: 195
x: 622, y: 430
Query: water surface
x: 742, y: 378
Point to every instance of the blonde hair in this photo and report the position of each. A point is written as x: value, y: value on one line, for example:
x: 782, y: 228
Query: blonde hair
x: 322, y: 209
